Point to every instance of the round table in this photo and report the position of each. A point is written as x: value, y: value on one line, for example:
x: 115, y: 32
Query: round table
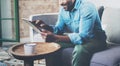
x: 42, y: 50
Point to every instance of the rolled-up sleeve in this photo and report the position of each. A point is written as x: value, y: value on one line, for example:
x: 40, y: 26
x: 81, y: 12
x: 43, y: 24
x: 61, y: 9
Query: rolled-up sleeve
x: 75, y: 38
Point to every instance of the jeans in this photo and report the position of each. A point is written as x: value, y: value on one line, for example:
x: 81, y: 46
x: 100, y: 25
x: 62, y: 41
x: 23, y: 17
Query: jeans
x: 81, y: 55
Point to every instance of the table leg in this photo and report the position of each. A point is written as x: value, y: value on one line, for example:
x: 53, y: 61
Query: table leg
x: 28, y: 63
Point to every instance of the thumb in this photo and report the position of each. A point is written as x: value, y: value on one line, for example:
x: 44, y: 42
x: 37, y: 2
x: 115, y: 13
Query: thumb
x: 44, y: 35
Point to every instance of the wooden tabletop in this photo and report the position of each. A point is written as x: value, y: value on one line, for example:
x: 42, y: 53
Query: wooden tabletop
x: 41, y: 48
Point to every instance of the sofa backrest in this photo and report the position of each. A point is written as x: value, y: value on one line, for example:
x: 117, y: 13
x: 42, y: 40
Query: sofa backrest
x: 100, y: 11
x: 111, y: 25
x: 48, y: 18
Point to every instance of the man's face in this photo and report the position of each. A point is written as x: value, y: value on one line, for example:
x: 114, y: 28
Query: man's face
x: 67, y: 4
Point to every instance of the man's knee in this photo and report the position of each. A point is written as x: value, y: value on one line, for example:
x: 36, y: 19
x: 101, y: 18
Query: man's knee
x: 79, y: 49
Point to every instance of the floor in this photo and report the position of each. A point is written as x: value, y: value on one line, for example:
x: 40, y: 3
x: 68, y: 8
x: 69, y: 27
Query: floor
x: 6, y: 58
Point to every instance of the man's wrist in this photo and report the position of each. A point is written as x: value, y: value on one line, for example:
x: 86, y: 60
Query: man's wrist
x: 60, y: 38
x: 57, y: 38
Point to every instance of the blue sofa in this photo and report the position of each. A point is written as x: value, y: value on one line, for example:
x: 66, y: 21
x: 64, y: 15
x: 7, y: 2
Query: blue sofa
x: 110, y: 18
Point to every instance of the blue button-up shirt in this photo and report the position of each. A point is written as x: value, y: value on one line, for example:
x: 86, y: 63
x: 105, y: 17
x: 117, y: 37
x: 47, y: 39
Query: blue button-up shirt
x: 82, y: 21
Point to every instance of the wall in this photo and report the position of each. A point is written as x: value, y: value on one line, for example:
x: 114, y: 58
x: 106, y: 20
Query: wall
x: 30, y: 7
x: 107, y: 3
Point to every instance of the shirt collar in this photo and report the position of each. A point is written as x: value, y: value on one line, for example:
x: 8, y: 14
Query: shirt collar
x: 77, y: 4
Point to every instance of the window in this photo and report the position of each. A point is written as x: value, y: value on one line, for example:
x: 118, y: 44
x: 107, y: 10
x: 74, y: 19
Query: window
x: 9, y: 21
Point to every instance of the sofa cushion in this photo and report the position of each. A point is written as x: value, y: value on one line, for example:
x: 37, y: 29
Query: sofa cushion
x: 103, y: 58
x: 109, y: 57
x: 111, y: 24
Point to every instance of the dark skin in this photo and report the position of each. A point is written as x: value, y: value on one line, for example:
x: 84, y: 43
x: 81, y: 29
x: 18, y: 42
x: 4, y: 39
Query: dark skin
x: 68, y: 5
x: 48, y: 34
x: 41, y: 25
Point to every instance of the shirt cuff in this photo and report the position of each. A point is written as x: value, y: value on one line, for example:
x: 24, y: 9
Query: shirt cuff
x: 75, y: 38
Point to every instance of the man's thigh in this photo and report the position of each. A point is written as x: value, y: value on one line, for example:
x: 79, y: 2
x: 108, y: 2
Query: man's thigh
x: 82, y: 53
x: 94, y: 46
x: 65, y: 45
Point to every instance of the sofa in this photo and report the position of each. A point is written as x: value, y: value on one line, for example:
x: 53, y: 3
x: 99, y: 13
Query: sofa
x: 110, y: 18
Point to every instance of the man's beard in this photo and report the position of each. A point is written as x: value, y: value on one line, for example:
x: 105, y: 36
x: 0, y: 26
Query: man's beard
x: 69, y: 6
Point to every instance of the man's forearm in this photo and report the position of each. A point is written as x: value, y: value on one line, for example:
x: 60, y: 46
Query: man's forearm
x: 60, y: 38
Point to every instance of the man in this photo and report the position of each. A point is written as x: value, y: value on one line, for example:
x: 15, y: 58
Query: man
x: 87, y: 36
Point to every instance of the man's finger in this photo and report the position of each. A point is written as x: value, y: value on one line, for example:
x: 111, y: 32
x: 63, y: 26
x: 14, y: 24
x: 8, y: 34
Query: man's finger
x: 44, y: 35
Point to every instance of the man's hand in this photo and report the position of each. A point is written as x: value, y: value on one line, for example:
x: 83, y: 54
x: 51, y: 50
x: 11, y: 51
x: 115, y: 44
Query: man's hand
x: 48, y: 36
x: 38, y: 22
x: 41, y: 25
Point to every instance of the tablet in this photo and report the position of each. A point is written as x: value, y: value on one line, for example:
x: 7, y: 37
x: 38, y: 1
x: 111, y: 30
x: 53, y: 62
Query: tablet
x: 32, y: 25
